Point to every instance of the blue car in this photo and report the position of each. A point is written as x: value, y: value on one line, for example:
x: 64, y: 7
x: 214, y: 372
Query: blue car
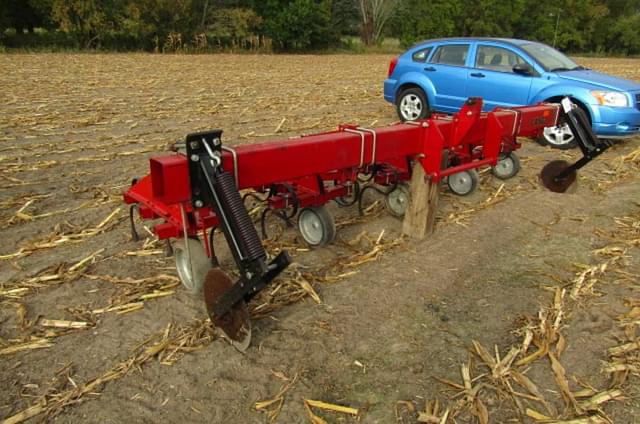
x: 439, y: 75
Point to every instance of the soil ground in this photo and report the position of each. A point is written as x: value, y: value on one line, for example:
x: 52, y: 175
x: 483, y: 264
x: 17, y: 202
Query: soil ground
x: 510, y: 263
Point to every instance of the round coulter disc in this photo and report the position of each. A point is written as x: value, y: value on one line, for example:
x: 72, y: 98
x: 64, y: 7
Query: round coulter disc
x: 235, y: 324
x: 553, y: 169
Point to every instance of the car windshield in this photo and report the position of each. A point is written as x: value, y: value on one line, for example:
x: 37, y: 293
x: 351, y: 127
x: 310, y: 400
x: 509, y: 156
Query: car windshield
x: 550, y: 59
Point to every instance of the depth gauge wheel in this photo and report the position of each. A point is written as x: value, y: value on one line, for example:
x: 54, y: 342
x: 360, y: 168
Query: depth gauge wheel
x: 463, y: 183
x: 507, y: 167
x: 316, y: 226
x: 397, y: 200
x: 192, y: 264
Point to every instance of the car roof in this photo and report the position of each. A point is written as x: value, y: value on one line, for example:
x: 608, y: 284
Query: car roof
x: 513, y: 41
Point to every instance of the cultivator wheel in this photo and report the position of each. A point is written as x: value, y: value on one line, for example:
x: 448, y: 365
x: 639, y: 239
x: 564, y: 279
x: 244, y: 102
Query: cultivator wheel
x: 397, y: 200
x: 549, y: 177
x: 316, y: 226
x: 235, y: 324
x: 463, y: 183
x: 507, y: 167
x: 192, y: 263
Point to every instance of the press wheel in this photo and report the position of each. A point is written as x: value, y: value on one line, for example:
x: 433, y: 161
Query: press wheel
x: 507, y: 167
x: 397, y: 200
x: 316, y: 226
x: 463, y: 183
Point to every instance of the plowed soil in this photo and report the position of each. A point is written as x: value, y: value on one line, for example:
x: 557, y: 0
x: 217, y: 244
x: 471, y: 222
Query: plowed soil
x: 545, y: 283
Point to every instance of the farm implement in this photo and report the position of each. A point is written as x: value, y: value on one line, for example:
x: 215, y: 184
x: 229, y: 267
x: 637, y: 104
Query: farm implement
x: 196, y: 189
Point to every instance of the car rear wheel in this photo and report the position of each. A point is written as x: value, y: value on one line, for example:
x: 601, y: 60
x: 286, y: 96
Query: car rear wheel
x: 412, y: 105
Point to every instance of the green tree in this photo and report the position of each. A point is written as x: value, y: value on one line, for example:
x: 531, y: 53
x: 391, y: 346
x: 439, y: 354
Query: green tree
x: 417, y: 20
x: 230, y: 25
x: 300, y: 25
x: 491, y: 18
x: 25, y: 14
x: 88, y: 20
x: 374, y: 15
x: 617, y: 31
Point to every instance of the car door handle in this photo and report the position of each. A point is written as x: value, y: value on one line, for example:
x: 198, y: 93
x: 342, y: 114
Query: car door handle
x: 430, y: 68
x: 477, y: 75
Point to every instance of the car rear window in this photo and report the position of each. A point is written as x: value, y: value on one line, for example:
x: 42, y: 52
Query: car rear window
x: 421, y: 55
x: 496, y: 58
x: 451, y: 54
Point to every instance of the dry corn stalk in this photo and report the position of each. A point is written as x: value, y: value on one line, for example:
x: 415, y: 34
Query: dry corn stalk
x: 273, y: 406
x: 170, y: 346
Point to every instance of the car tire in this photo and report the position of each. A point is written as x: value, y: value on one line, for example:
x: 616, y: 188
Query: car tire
x: 559, y: 137
x: 412, y: 105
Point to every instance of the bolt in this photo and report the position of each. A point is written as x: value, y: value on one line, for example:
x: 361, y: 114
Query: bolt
x: 195, y: 158
x: 249, y: 275
x: 216, y: 141
x: 199, y: 203
x: 194, y: 144
x: 469, y: 113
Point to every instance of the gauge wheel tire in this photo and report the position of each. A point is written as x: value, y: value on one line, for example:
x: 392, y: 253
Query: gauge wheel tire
x: 412, y: 105
x: 192, y: 264
x: 397, y: 200
x: 507, y: 167
x: 316, y: 226
x: 463, y: 183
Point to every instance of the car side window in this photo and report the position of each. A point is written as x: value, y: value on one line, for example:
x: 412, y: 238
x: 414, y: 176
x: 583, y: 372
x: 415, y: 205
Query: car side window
x: 451, y: 54
x: 497, y: 59
x: 421, y: 55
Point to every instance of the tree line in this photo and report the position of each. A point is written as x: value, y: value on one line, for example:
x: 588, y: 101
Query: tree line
x: 599, y: 26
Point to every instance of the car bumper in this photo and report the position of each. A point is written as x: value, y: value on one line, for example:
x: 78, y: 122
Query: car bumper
x: 616, y: 121
x: 390, y: 90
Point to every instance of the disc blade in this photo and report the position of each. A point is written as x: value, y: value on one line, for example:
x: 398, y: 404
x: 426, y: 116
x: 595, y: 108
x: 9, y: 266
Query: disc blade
x: 235, y: 324
x: 551, y: 171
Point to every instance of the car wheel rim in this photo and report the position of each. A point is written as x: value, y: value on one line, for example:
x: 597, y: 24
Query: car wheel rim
x: 460, y: 183
x: 411, y: 107
x: 558, y: 135
x: 311, y: 227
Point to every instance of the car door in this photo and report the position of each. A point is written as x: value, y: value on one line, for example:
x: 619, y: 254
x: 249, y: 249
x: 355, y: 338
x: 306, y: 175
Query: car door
x: 492, y: 77
x: 446, y: 70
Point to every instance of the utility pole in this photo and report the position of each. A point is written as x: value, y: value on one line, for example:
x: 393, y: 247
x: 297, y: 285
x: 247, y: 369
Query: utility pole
x: 555, y: 33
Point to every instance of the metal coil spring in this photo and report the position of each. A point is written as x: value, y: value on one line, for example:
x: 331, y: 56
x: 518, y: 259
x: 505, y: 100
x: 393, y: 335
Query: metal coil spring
x: 239, y: 220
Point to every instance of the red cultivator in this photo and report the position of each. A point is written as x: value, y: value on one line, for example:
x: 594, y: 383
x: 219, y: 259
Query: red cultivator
x: 196, y: 190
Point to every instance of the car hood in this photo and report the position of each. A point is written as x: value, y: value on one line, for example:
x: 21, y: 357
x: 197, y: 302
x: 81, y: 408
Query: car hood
x: 599, y: 79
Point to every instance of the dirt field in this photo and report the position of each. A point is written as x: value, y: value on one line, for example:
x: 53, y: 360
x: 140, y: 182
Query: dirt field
x: 523, y: 304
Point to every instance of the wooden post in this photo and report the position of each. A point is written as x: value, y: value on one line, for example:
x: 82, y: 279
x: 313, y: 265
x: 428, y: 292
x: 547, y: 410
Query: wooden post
x: 420, y: 217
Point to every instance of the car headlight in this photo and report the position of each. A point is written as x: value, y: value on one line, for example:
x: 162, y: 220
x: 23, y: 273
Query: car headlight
x: 610, y: 98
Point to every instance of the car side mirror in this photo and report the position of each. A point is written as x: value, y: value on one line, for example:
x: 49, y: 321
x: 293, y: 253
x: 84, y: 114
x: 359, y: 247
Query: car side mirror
x: 522, y: 69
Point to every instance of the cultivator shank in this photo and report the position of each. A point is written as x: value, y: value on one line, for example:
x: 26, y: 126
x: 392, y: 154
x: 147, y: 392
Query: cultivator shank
x: 196, y: 190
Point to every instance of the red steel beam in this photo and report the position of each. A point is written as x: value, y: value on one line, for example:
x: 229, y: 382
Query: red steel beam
x: 470, y: 138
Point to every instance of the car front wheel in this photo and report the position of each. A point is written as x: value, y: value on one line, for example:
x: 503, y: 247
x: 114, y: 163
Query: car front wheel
x: 559, y: 137
x: 412, y: 105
